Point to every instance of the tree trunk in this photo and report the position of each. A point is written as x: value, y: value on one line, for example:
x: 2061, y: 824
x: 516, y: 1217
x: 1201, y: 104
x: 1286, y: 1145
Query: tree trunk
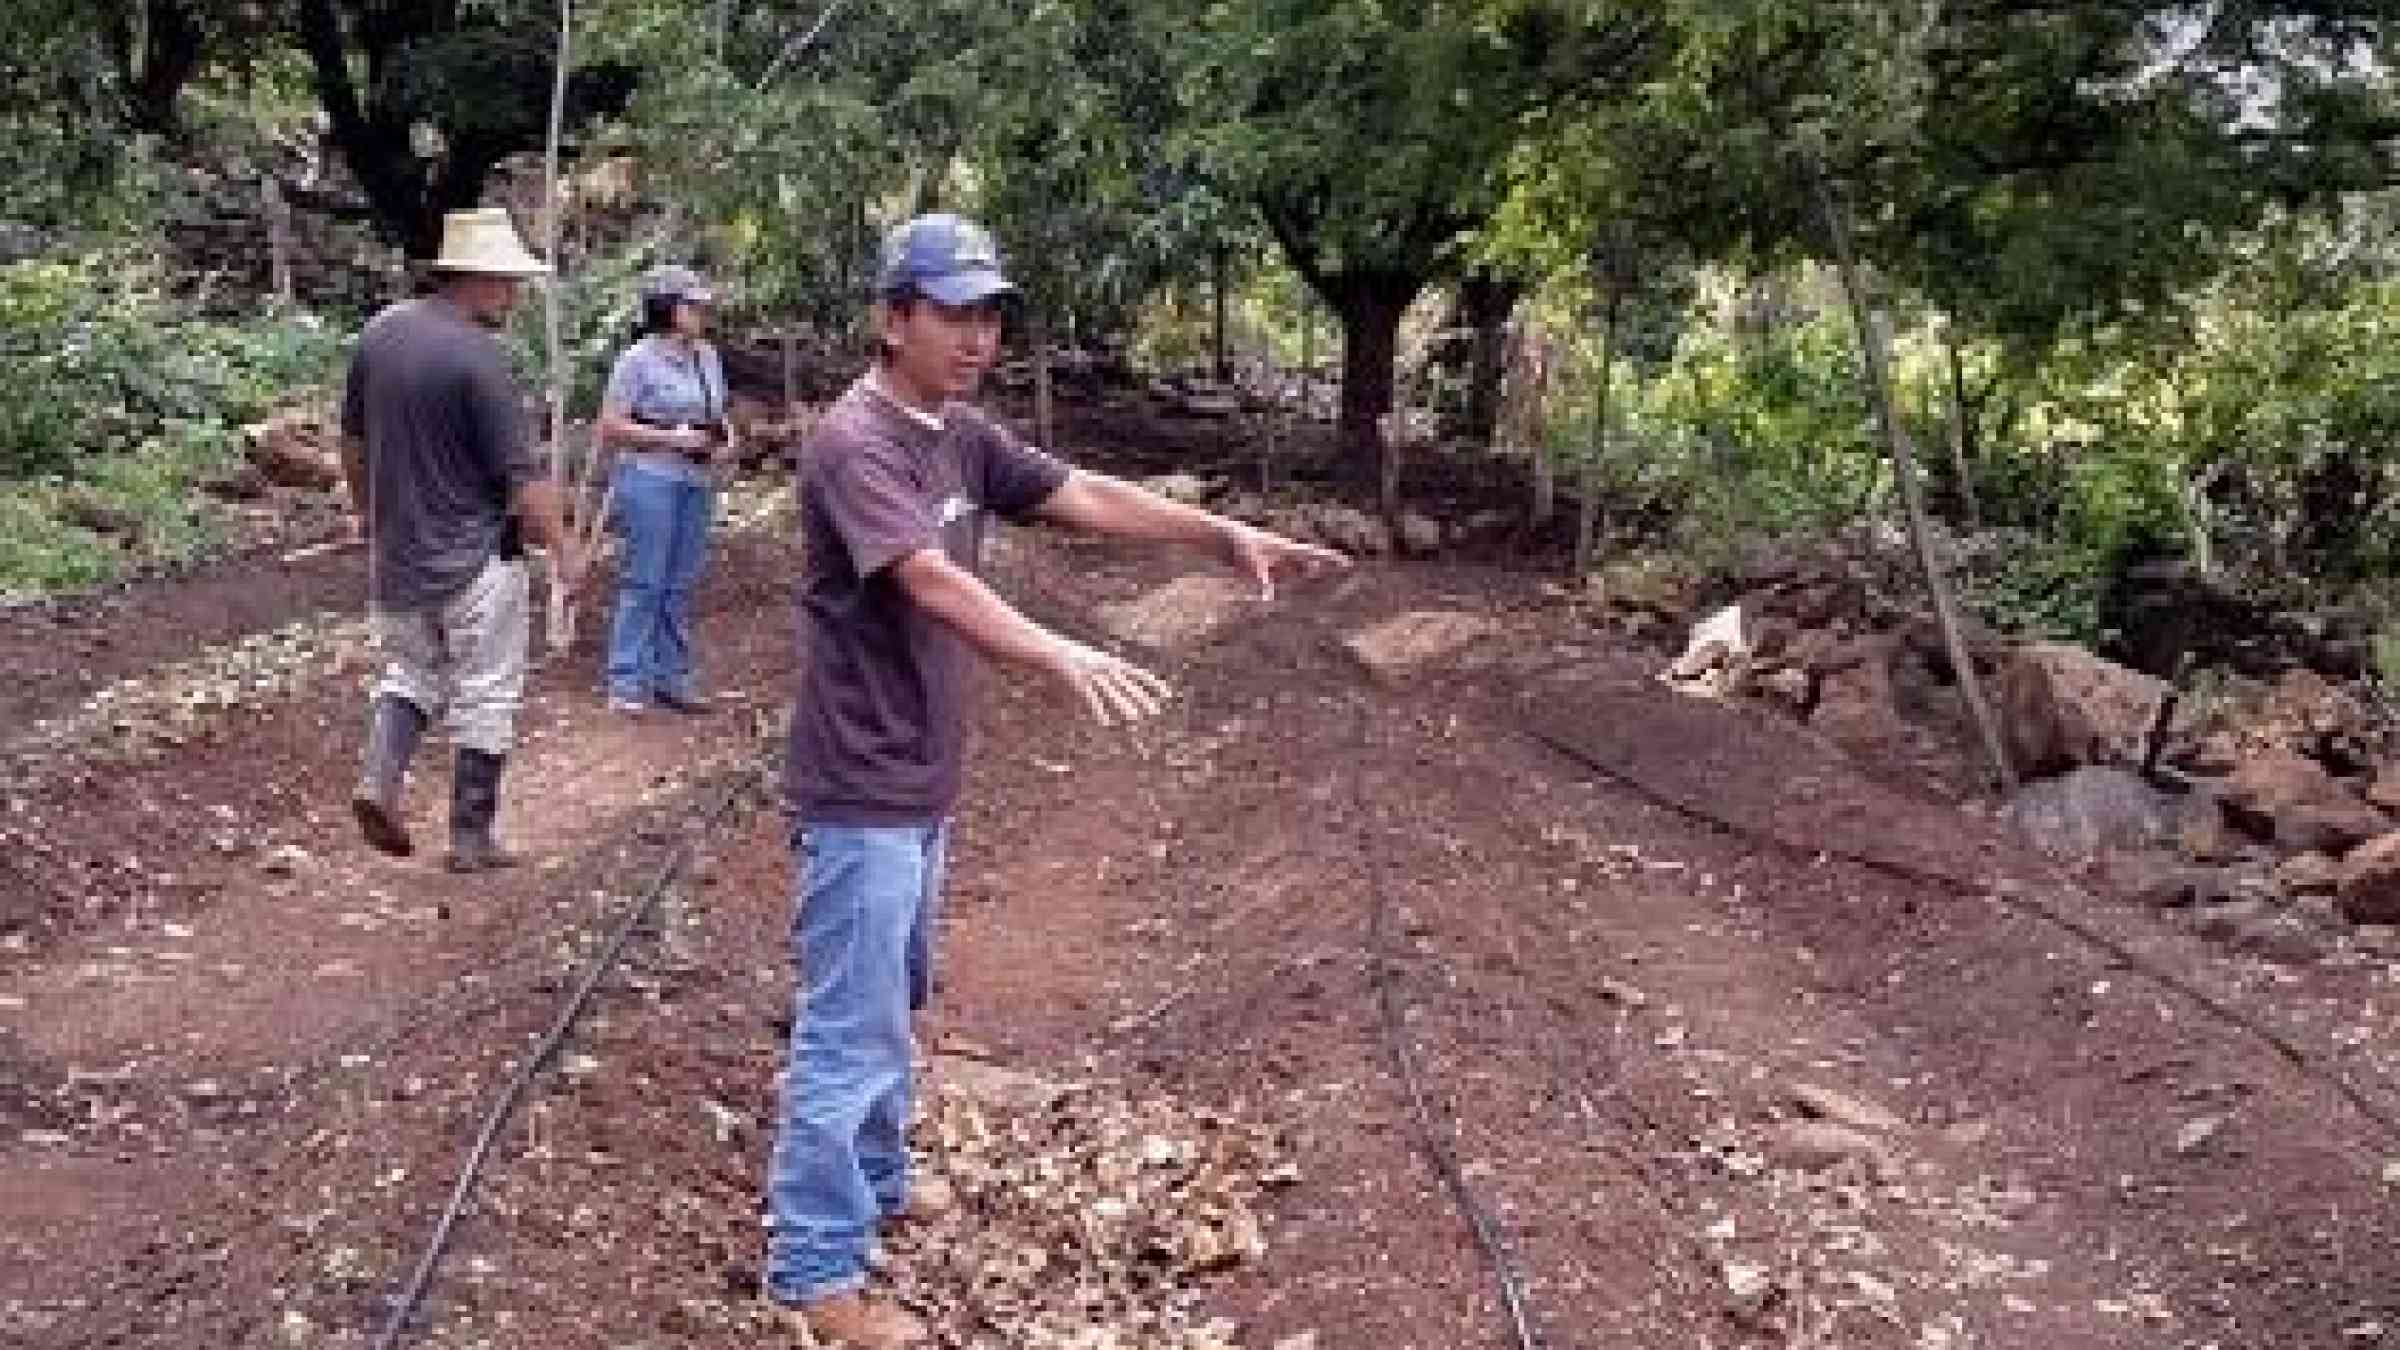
x: 1485, y: 302
x: 1904, y: 472
x: 1370, y: 311
x: 279, y: 240
x: 1220, y: 263
x: 1587, y: 485
x: 376, y: 149
x: 1961, y: 461
x: 1537, y: 428
x: 937, y: 176
x: 157, y: 47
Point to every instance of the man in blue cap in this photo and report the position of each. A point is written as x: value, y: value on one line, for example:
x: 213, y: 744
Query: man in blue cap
x: 897, y: 482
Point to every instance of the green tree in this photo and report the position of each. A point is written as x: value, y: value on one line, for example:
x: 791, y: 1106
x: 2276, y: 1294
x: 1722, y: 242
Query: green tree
x: 426, y: 99
x: 1371, y: 138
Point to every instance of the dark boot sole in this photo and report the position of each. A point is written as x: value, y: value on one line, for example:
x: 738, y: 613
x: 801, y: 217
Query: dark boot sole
x: 385, y: 833
x: 466, y: 865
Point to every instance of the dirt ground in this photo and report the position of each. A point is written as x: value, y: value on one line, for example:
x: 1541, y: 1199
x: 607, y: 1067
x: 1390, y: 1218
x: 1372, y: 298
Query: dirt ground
x: 240, y: 1056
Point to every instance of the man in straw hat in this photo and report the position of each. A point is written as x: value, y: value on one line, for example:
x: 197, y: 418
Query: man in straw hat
x: 440, y: 468
x: 898, y: 482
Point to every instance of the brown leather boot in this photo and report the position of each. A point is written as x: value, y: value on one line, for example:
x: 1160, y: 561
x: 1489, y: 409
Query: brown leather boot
x: 853, y: 1322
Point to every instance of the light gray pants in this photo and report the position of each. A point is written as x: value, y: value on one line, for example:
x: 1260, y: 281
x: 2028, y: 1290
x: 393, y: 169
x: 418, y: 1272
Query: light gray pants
x: 466, y: 655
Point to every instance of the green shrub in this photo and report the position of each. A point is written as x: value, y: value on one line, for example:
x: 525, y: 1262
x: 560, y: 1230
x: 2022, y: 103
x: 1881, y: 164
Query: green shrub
x: 121, y: 408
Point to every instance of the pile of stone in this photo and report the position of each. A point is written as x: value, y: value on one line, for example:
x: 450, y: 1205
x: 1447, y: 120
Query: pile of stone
x: 223, y: 231
x: 1077, y: 374
x: 288, y: 449
x: 1830, y: 635
x: 2266, y: 814
x: 1332, y: 524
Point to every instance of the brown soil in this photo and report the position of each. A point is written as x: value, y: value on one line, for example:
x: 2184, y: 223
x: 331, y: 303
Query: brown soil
x: 233, y: 1098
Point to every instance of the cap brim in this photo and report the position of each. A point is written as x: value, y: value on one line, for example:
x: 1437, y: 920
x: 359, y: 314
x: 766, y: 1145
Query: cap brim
x: 965, y: 288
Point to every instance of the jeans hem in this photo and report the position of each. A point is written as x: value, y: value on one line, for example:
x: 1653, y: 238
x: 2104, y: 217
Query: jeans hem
x: 782, y: 1297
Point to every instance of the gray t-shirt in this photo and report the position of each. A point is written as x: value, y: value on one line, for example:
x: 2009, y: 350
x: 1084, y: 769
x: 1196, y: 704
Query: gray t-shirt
x: 661, y: 382
x: 878, y: 732
x: 431, y: 393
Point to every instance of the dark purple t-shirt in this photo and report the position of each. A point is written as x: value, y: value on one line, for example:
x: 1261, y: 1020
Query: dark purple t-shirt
x: 879, y: 728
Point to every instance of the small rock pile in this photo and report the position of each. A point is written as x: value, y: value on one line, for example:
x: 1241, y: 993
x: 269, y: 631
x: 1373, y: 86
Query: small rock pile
x: 1823, y: 634
x: 2273, y: 826
x: 2268, y: 816
x: 1332, y: 524
x: 288, y: 449
x: 221, y: 234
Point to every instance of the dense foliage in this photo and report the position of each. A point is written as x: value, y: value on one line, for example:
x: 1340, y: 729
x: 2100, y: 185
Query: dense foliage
x: 2137, y: 257
x: 124, y: 405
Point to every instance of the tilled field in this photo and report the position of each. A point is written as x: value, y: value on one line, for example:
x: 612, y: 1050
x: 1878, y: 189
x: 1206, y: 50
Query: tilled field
x: 1243, y: 1014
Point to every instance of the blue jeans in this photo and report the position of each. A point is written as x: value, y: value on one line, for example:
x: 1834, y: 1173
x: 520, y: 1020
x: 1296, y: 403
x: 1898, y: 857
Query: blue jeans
x: 665, y: 524
x: 862, y: 933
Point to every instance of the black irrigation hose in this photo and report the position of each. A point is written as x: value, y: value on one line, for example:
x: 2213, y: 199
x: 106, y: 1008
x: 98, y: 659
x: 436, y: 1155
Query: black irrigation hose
x: 2306, y: 1064
x: 504, y: 1107
x: 1438, y: 1150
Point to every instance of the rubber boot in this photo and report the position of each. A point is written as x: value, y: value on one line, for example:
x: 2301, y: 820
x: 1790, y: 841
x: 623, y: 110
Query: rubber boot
x: 394, y: 727
x: 474, y: 805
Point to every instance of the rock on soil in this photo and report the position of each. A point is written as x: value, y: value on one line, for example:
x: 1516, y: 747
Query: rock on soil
x: 1844, y: 1108
x: 2370, y: 884
x: 1420, y: 534
x: 1401, y: 646
x: 2297, y: 804
x: 1184, y: 611
x: 1858, y: 699
x: 1189, y: 489
x: 2090, y: 810
x: 2155, y: 880
x: 289, y: 451
x: 1346, y: 528
x: 2062, y: 707
x: 1720, y: 646
x: 1814, y: 1145
x: 2309, y: 874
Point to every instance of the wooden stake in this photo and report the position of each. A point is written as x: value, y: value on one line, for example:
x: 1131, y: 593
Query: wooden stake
x: 562, y: 610
x: 1912, y: 495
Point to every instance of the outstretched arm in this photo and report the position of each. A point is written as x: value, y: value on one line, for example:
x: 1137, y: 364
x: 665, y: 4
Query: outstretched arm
x: 1105, y: 505
x: 1113, y: 689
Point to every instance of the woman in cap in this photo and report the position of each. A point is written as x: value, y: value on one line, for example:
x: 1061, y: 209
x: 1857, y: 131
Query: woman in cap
x: 664, y: 415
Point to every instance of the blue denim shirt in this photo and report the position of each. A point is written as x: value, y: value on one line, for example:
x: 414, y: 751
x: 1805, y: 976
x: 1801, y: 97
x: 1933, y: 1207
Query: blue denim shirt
x: 661, y: 381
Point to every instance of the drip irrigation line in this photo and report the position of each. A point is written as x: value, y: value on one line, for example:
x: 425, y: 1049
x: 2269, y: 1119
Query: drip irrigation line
x: 512, y: 1093
x: 1438, y: 1150
x: 2284, y: 1046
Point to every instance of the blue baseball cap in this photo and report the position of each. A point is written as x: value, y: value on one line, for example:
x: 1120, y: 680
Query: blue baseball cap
x: 944, y: 258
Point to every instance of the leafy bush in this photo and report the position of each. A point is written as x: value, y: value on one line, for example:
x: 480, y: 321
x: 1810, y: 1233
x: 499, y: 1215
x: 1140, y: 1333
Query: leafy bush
x: 103, y: 364
x: 123, y: 407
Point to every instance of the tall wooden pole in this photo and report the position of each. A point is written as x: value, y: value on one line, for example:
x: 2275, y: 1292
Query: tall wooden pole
x: 1912, y: 495
x: 562, y: 618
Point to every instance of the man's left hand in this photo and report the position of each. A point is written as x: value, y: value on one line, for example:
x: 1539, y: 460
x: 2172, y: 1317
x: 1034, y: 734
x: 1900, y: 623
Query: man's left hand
x: 1261, y: 556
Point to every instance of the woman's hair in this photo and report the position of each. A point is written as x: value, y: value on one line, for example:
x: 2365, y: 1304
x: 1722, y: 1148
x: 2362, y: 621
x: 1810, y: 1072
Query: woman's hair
x: 658, y: 315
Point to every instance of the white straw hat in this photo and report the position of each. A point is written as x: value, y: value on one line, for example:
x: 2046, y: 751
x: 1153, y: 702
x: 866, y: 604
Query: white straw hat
x: 485, y: 241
